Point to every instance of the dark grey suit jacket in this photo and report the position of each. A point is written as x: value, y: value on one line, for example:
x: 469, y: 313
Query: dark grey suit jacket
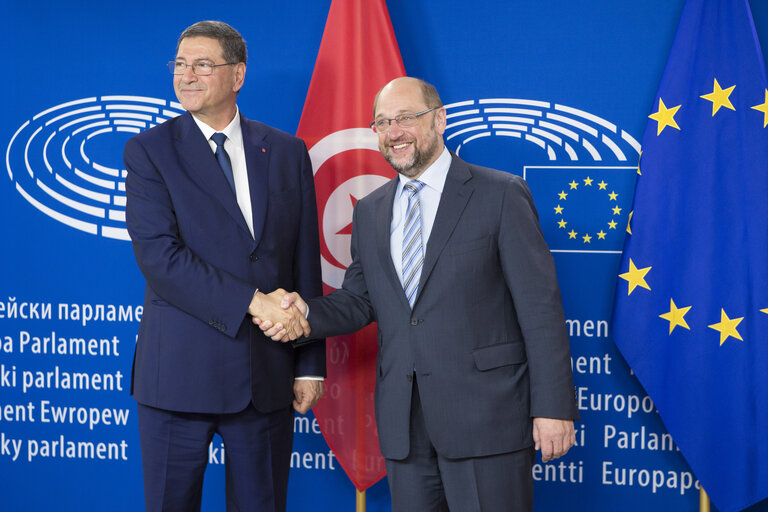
x: 487, y: 334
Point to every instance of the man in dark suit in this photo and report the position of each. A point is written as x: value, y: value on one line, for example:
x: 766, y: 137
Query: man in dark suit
x: 473, y: 367
x: 207, y: 194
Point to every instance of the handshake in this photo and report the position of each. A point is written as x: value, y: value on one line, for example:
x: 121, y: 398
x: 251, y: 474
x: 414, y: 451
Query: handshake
x: 281, y: 315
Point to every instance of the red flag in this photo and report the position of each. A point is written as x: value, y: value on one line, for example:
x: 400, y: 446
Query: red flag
x: 358, y: 56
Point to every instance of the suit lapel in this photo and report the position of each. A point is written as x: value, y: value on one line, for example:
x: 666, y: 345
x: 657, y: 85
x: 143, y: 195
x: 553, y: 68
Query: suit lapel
x: 257, y: 153
x: 383, y: 227
x: 453, y: 200
x: 203, y: 168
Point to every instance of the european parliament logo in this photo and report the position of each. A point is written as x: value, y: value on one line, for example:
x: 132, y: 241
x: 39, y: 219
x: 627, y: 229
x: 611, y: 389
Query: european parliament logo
x: 66, y: 160
x: 581, y: 168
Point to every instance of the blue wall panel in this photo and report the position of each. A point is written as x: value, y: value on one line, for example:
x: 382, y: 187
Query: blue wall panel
x: 597, y: 63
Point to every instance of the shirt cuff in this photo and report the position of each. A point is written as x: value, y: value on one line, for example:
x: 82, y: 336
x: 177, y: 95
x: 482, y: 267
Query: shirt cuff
x: 310, y: 377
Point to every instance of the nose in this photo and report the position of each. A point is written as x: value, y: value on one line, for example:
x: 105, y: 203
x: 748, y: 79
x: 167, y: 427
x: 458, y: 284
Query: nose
x: 188, y: 75
x: 394, y: 131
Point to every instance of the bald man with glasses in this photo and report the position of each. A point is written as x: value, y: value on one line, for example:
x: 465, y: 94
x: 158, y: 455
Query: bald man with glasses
x: 473, y: 370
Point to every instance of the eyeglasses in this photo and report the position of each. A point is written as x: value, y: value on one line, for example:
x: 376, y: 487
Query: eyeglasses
x: 406, y: 120
x: 200, y: 69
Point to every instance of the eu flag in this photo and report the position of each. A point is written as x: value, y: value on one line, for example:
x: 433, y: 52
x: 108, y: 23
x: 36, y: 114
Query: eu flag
x: 691, y: 312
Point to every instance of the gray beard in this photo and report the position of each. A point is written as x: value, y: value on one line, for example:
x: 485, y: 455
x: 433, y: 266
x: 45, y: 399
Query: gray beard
x: 418, y: 163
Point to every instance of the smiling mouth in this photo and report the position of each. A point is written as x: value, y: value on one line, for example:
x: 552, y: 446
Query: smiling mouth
x: 401, y: 146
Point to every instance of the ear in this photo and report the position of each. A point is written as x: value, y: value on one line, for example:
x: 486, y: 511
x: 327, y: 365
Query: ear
x: 440, y: 121
x: 239, y: 76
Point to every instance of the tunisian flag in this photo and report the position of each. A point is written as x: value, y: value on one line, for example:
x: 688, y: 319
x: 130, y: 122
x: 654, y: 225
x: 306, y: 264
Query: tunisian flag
x: 358, y: 56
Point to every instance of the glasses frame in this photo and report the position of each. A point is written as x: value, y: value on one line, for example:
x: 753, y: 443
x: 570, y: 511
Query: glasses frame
x: 415, y: 115
x: 172, y: 65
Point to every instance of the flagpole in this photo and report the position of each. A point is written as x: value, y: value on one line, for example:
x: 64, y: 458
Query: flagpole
x: 361, y: 501
x: 704, y: 502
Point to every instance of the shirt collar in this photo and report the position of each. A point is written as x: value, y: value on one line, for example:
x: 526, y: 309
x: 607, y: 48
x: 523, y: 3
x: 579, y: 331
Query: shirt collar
x: 233, y: 131
x: 435, y: 175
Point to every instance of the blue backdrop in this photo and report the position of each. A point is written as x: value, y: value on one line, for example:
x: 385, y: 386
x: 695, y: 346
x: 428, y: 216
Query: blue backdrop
x: 557, y: 91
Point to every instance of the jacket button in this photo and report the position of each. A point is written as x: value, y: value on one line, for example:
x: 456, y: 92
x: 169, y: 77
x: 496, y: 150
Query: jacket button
x: 409, y: 377
x: 414, y: 321
x: 254, y: 257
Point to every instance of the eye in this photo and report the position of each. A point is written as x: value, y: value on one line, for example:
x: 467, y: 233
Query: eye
x: 382, y: 124
x: 179, y: 66
x: 405, y: 118
x: 204, y: 66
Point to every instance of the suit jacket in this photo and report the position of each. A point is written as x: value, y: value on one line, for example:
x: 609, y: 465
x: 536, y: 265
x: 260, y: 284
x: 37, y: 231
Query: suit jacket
x: 197, y: 350
x: 486, y: 335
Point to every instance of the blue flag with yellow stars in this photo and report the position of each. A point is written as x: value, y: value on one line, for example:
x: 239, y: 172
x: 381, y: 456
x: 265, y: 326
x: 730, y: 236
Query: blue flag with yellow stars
x: 691, y: 312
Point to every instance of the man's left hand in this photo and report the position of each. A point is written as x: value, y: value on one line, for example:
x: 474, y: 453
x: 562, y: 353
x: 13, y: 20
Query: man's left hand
x: 553, y: 437
x: 307, y: 393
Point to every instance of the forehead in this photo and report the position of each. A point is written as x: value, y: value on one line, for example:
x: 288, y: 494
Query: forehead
x: 400, y: 97
x: 199, y: 48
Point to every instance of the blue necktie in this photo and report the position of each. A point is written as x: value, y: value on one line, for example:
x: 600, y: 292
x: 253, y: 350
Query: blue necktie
x: 223, y: 158
x: 413, y: 251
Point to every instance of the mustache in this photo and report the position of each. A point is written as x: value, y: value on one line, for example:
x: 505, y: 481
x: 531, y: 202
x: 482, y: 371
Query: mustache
x: 399, y: 141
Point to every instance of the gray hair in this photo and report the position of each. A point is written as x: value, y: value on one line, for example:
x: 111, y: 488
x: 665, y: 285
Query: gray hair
x: 232, y: 43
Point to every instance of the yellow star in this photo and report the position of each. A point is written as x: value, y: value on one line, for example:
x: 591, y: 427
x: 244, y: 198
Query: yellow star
x: 638, y: 163
x: 612, y: 224
x: 574, y: 185
x: 587, y: 239
x: 613, y: 195
x: 665, y: 117
x: 764, y: 311
x: 602, y: 185
x: 562, y: 195
x: 572, y: 234
x: 558, y: 209
x: 727, y: 327
x: 616, y: 210
x: 635, y: 277
x: 676, y: 316
x: 764, y: 109
x: 588, y: 181
x: 629, y: 221
x: 562, y: 223
x: 719, y: 98
x: 601, y: 234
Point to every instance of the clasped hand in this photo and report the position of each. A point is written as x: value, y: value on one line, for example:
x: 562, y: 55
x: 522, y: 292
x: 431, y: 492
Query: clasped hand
x: 280, y: 315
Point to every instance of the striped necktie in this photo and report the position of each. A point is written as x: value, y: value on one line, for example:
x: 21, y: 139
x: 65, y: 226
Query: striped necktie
x: 223, y: 158
x: 413, y: 250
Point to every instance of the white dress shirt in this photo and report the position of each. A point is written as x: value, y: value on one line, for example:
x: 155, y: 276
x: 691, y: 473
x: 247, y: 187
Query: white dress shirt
x: 236, y: 151
x: 429, y: 196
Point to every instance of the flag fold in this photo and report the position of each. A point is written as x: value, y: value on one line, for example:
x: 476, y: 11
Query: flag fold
x: 691, y: 311
x: 358, y: 55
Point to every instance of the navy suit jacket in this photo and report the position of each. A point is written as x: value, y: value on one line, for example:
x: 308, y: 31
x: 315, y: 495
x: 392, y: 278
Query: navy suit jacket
x: 486, y: 335
x: 197, y: 349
